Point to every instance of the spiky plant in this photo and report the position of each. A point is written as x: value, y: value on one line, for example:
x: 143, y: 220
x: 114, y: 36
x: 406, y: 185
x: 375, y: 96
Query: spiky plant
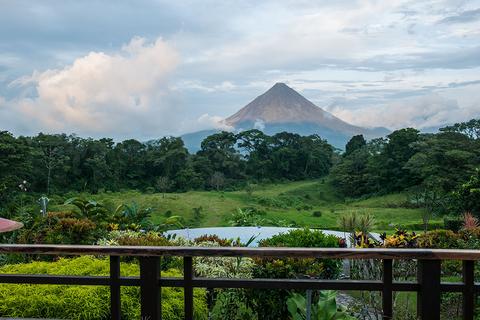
x: 469, y: 221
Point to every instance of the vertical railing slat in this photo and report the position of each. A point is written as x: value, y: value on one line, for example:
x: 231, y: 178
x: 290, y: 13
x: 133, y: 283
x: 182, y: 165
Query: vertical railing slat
x: 429, y: 296
x: 115, y: 302
x: 387, y: 289
x: 150, y: 294
x: 468, y: 290
x: 188, y: 287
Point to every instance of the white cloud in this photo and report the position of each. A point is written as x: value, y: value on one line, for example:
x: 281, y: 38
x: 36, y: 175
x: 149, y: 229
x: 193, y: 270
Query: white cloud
x: 207, y: 121
x: 259, y: 124
x: 362, y: 57
x: 224, y: 86
x: 121, y: 94
x: 421, y: 112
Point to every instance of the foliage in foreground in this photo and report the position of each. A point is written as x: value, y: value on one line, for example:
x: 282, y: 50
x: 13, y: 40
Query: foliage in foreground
x: 84, y: 302
x: 272, y: 304
x: 325, y: 308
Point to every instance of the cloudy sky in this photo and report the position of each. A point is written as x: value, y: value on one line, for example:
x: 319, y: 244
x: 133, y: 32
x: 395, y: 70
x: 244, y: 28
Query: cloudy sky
x: 144, y: 69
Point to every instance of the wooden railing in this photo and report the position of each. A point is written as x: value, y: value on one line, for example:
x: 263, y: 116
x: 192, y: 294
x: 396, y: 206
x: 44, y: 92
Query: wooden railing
x: 428, y: 285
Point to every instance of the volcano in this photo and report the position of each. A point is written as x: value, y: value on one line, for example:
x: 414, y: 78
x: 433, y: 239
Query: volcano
x: 283, y: 109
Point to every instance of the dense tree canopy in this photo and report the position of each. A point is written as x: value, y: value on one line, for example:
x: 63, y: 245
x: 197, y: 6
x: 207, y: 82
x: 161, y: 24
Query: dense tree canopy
x: 439, y: 164
x: 357, y: 142
x: 62, y: 163
x: 406, y: 159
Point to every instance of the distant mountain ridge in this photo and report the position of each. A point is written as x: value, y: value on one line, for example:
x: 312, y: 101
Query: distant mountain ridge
x: 283, y: 109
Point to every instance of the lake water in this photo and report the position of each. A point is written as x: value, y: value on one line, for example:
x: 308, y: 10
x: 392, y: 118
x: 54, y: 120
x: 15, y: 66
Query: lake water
x: 244, y: 233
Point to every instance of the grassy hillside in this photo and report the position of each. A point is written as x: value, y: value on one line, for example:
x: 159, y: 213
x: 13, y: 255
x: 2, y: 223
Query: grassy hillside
x: 291, y: 202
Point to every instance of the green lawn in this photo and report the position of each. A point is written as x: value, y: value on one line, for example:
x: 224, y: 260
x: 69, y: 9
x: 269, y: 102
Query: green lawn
x: 290, y: 201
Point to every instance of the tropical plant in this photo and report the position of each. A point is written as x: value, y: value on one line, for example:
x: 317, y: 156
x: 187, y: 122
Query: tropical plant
x: 363, y: 240
x: 326, y: 307
x: 400, y: 239
x: 90, y: 209
x: 229, y: 303
x: 126, y: 215
x: 197, y: 214
x: 60, y: 228
x: 272, y: 304
x: 358, y: 226
x: 469, y: 221
x: 169, y: 223
x: 246, y: 217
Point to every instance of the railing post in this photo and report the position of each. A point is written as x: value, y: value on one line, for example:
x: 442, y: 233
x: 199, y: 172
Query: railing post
x: 115, y: 303
x: 387, y: 289
x: 468, y: 290
x: 428, y: 299
x: 151, y: 305
x: 309, y: 305
x: 188, y: 287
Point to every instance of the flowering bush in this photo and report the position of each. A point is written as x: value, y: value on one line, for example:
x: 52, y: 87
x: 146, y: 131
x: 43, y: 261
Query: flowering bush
x: 400, y: 239
x: 363, y: 240
x: 61, y: 227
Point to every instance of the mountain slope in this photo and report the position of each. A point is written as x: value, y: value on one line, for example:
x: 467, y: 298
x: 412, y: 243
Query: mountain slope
x: 282, y: 104
x: 283, y: 109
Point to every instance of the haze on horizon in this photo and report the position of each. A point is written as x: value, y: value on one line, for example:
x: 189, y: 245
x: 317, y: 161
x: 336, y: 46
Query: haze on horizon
x: 145, y: 69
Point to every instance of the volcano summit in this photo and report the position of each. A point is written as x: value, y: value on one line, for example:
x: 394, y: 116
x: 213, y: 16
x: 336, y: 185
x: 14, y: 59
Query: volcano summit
x: 283, y: 109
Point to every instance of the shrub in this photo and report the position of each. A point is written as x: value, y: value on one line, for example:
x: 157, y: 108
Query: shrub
x: 228, y: 303
x: 282, y: 202
x: 443, y: 239
x: 136, y: 238
x: 325, y: 307
x: 247, y: 217
x: 84, y: 302
x: 131, y: 216
x: 61, y: 227
x: 213, y: 238
x: 304, y: 207
x: 150, y: 190
x: 272, y: 304
x: 467, y: 197
x: 400, y: 239
x: 317, y: 214
x: 72, y: 230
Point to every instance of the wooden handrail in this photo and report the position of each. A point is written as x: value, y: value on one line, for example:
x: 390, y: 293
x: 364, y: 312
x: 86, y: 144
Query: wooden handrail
x: 428, y: 285
x: 274, y: 252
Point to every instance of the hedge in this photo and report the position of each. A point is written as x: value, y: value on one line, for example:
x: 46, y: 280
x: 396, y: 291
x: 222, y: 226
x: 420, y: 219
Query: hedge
x: 85, y: 302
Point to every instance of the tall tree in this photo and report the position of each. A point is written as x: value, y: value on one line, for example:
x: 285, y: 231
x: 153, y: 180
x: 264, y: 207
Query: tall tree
x: 470, y: 128
x: 130, y: 163
x: 355, y: 143
x: 53, y: 148
x: 222, y: 156
x: 444, y: 160
x: 15, y: 164
x: 166, y: 157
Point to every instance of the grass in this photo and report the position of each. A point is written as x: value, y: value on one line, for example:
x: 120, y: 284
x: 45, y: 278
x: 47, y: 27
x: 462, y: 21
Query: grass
x: 289, y: 201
